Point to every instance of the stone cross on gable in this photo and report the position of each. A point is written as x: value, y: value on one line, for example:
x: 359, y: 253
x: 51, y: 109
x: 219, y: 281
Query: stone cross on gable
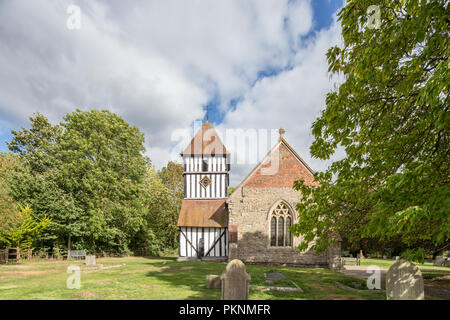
x: 281, y: 131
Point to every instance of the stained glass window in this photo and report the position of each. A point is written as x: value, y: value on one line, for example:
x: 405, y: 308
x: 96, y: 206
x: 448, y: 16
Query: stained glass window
x: 273, y: 232
x: 281, y: 220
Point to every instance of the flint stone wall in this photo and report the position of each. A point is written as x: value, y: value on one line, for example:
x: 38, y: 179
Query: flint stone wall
x: 250, y: 210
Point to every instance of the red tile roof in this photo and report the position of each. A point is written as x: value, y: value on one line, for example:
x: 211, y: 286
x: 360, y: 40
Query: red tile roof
x: 206, y: 142
x: 203, y: 213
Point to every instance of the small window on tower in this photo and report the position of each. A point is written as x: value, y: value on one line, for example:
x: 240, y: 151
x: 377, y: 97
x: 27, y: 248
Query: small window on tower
x: 205, y: 166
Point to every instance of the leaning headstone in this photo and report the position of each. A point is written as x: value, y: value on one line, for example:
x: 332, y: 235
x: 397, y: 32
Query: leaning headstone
x: 404, y: 282
x: 90, y: 260
x: 235, y: 280
x: 439, y: 261
x: 212, y: 281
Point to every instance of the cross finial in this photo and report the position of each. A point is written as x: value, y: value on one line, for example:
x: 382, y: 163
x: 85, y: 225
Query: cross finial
x: 207, y: 111
x: 281, y: 131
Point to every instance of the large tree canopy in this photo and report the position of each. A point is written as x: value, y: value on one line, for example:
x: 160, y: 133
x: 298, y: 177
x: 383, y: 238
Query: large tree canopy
x: 391, y: 115
x: 101, y: 164
x: 34, y: 184
x: 87, y: 175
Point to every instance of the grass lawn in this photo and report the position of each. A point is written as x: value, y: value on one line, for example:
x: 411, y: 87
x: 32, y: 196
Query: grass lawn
x: 427, y: 266
x: 432, y: 275
x: 164, y: 278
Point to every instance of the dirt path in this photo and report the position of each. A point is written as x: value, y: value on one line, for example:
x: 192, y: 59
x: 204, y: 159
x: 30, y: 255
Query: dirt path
x: 430, y: 290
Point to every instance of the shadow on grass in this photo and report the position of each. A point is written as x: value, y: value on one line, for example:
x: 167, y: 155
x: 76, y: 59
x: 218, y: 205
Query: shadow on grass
x: 188, y: 279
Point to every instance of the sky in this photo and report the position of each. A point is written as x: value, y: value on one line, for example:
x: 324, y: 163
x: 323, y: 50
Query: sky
x: 257, y: 64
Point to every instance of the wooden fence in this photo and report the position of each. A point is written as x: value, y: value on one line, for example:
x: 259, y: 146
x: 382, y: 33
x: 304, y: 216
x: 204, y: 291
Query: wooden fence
x: 15, y: 255
x: 10, y: 254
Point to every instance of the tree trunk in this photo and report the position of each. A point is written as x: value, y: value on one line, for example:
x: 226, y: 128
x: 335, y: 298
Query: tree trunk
x: 68, y: 247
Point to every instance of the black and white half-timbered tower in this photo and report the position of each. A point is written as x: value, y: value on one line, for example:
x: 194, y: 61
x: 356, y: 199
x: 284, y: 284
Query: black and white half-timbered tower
x: 203, y: 218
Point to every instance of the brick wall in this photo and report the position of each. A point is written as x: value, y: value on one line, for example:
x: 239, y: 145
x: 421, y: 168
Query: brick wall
x: 250, y: 207
x: 288, y: 170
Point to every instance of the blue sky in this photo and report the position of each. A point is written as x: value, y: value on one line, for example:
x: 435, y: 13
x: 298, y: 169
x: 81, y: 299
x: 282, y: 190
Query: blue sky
x: 258, y: 64
x: 324, y: 12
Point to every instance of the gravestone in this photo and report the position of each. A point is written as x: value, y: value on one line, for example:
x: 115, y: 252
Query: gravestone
x: 90, y: 260
x: 404, y: 282
x: 275, y: 275
x: 234, y: 281
x: 212, y: 281
x: 439, y: 261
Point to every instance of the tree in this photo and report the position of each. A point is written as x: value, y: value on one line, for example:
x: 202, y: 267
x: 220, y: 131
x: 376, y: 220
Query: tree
x: 34, y: 183
x: 101, y: 164
x: 8, y: 206
x: 36, y: 145
x: 230, y: 190
x: 159, y: 210
x: 391, y: 116
x: 87, y: 175
x: 172, y: 179
x: 25, y: 232
x: 46, y: 198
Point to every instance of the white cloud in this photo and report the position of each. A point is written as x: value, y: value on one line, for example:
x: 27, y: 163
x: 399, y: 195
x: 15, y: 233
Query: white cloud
x: 291, y: 99
x: 157, y: 62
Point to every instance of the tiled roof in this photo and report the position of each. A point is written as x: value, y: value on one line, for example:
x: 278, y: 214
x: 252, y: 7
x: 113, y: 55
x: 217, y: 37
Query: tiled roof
x: 206, y: 141
x: 203, y: 213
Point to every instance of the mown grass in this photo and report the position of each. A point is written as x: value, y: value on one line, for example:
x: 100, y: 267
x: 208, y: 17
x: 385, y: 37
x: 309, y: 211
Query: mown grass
x: 164, y: 278
x: 432, y: 275
x: 427, y: 266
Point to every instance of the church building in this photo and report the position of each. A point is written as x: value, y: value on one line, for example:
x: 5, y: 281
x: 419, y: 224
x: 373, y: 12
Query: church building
x: 252, y: 224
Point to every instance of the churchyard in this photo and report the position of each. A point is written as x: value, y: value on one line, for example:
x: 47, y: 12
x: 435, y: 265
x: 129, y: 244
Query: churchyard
x: 165, y: 278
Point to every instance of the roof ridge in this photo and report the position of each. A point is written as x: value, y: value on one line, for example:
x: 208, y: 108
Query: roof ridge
x: 199, y: 145
x: 283, y: 141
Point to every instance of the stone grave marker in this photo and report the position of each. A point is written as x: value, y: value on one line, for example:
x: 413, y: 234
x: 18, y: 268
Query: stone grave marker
x: 234, y: 281
x: 275, y: 275
x: 90, y: 260
x: 212, y: 281
x: 439, y: 261
x: 404, y: 282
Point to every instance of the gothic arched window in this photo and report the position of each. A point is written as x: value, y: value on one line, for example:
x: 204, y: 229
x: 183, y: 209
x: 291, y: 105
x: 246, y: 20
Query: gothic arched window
x: 280, y: 222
